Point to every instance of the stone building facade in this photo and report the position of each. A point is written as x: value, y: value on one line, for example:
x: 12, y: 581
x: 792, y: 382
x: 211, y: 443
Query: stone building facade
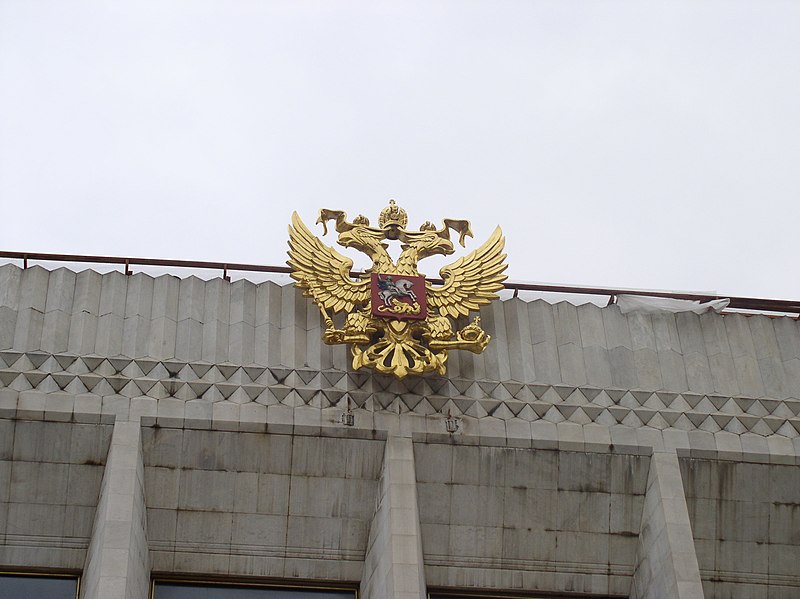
x: 154, y: 429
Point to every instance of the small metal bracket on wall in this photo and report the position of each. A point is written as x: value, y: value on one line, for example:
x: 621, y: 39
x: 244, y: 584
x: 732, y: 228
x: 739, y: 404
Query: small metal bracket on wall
x: 347, y: 417
x: 451, y: 423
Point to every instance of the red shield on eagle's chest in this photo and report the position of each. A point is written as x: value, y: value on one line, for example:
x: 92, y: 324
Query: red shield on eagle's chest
x: 399, y: 296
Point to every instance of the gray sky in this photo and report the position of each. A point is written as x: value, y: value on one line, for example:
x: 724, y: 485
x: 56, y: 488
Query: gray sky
x: 631, y: 144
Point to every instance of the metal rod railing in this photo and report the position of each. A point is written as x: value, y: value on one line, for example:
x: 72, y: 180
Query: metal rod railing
x: 737, y: 303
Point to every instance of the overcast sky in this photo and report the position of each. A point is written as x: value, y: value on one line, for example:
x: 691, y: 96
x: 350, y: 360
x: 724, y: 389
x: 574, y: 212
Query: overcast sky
x: 624, y: 144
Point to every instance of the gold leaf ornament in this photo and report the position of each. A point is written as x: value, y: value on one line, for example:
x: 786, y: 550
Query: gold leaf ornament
x: 396, y: 322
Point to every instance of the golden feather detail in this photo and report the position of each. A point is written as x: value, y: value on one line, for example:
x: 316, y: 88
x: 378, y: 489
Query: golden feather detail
x: 384, y: 340
x: 471, y: 281
x: 323, y: 273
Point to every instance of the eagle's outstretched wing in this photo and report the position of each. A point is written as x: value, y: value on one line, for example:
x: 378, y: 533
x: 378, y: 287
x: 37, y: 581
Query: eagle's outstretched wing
x: 471, y: 281
x: 322, y: 272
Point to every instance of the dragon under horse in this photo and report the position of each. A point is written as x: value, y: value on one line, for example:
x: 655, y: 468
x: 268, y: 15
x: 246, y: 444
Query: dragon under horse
x: 397, y: 343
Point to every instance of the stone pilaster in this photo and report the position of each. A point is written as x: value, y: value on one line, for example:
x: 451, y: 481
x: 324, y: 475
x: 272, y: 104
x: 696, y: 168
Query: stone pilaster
x: 394, y: 566
x: 666, y: 560
x: 118, y: 562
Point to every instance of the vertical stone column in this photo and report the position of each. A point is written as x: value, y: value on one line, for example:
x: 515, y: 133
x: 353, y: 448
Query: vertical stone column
x: 117, y: 562
x: 666, y: 561
x: 394, y: 566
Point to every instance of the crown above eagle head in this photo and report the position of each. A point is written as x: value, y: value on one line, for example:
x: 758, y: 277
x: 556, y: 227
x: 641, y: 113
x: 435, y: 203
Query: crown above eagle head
x: 393, y: 216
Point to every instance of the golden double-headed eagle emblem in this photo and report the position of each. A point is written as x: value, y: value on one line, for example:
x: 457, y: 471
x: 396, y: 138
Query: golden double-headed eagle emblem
x: 395, y: 321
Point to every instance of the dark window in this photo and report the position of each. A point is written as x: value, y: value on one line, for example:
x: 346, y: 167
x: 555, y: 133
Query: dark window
x: 20, y: 586
x: 509, y: 595
x: 178, y: 590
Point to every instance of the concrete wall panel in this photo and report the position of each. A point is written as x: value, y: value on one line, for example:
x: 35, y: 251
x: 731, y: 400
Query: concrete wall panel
x: 745, y: 520
x: 50, y: 477
x: 488, y: 511
x: 266, y: 324
x: 285, y: 502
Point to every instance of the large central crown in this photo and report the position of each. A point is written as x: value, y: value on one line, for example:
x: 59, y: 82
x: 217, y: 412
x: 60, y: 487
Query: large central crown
x: 393, y: 215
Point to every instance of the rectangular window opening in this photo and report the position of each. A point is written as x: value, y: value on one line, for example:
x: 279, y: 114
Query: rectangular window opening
x: 478, y: 594
x: 180, y: 589
x: 38, y: 585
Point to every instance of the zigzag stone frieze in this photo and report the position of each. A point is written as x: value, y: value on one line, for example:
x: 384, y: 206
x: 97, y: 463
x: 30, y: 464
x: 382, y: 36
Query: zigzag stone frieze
x: 115, y: 379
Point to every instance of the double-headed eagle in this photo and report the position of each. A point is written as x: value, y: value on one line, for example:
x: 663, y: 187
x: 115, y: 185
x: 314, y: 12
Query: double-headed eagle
x: 395, y: 321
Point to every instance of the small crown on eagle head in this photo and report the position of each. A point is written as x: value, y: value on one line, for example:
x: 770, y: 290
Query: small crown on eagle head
x: 393, y: 215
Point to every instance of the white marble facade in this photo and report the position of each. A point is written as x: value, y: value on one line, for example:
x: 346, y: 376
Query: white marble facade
x: 153, y: 426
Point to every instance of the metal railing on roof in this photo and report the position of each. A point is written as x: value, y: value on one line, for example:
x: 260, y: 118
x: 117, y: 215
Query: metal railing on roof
x: 736, y: 303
